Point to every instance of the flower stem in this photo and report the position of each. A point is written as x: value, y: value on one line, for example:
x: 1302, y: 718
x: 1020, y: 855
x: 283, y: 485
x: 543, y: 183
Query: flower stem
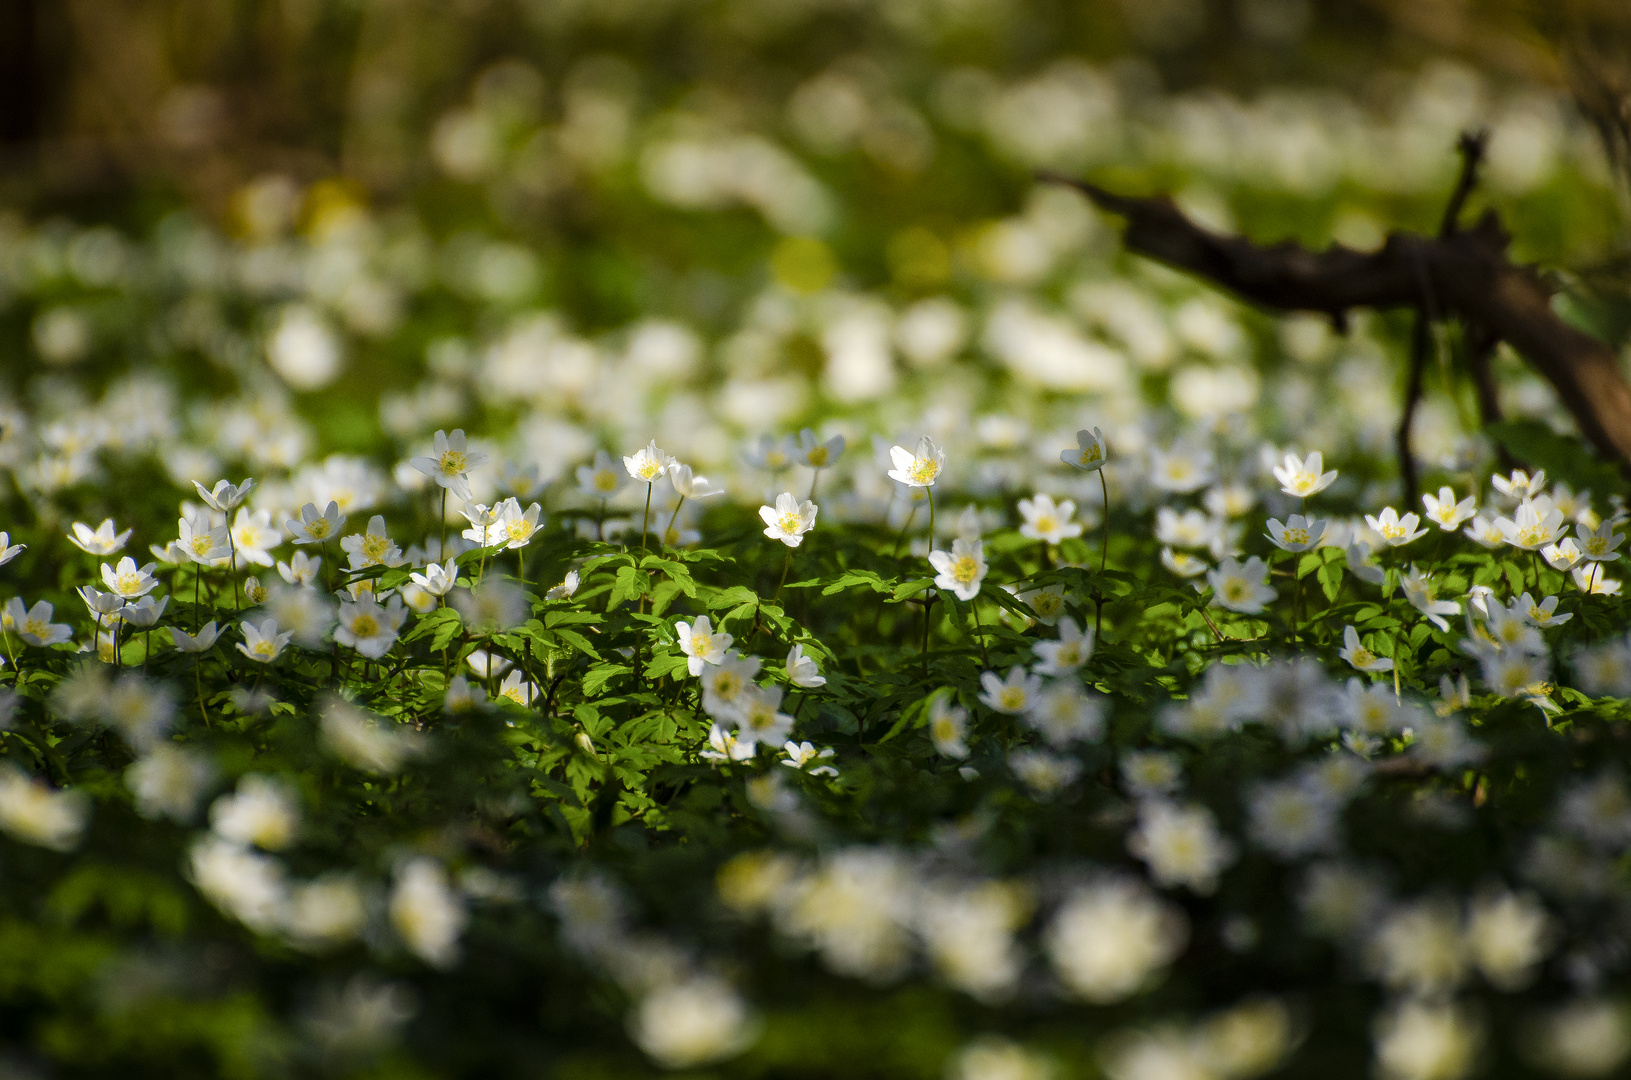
x: 673, y: 518
x: 232, y: 545
x: 443, y: 517
x: 786, y: 566
x: 645, y: 519
x: 930, y: 492
x: 814, y: 476
x: 979, y: 631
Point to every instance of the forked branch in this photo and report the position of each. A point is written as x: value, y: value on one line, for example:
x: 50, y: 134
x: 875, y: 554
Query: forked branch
x: 1461, y: 273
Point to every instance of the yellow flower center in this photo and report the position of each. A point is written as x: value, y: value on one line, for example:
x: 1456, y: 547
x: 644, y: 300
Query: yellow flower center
x: 1596, y: 546
x: 453, y: 462
x: 35, y: 627
x: 923, y: 471
x: 1533, y: 535
x: 702, y: 645
x: 1363, y: 657
x: 964, y: 570
x: 202, y: 544
x: 1295, y: 536
x: 1047, y: 603
x: 1047, y: 524
x: 267, y: 648
x: 1235, y: 589
x: 727, y: 685
x: 606, y: 480
x: 817, y: 457
x: 126, y: 584
x: 365, y: 626
x: 1012, y: 697
x: 789, y: 523
x: 318, y: 528
x: 1392, y: 532
x: 519, y: 529
x: 1089, y: 455
x: 943, y: 730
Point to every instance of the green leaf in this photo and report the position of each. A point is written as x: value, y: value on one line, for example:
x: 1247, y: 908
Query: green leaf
x: 1330, y: 579
x: 598, y: 676
x: 907, y: 589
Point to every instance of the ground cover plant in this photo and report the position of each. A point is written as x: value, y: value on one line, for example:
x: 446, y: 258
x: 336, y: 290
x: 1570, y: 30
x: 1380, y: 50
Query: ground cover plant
x: 734, y: 573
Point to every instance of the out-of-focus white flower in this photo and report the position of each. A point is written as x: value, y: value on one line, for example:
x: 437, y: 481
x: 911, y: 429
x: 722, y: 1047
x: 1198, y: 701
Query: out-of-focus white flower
x: 1599, y: 544
x: 1112, y: 939
x: 1419, y: 947
x: 1014, y: 695
x: 1533, y: 525
x: 1242, y: 587
x: 1181, y: 468
x: 1182, y: 563
x: 168, y: 782
x: 1563, y: 555
x: 696, y: 1022
x: 789, y: 519
x: 817, y: 454
x: 1418, y: 1040
x: 1043, y: 773
x: 196, y: 643
x: 1588, y: 1037
x: 1508, y: 935
x: 1359, y: 564
x: 1064, y: 714
x: 1070, y: 652
x: 1292, y: 819
x: 324, y: 913
x: 1421, y: 592
x: 960, y: 570
x: 36, y: 814
x: 1520, y: 485
x: 601, y: 479
x: 225, y: 496
x: 1302, y: 478
x: 491, y: 607
x: 245, y: 884
x: 34, y: 624
x: 948, y: 725
x: 301, y: 569
x: 262, y: 811
x: 1048, y: 521
x: 427, y: 913
x: 366, y: 741
x: 1590, y: 580
x: 1181, y: 845
x: 370, y: 628
x: 1046, y: 603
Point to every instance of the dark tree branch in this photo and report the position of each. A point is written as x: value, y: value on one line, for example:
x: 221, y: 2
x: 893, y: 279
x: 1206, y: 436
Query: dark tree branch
x: 1468, y: 273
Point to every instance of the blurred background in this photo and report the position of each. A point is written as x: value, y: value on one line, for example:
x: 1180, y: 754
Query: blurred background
x: 706, y: 219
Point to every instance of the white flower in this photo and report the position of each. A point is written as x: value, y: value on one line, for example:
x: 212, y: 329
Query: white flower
x: 36, y: 814
x: 225, y: 497
x: 371, y: 548
x: 817, y: 454
x: 601, y: 480
x: 146, y: 611
x: 566, y: 589
x: 325, y: 912
x: 1359, y: 657
x: 8, y: 550
x: 263, y: 643
x: 917, y: 469
x: 1111, y: 940
x: 1181, y: 468
x: 1520, y: 485
x: 427, y: 913
x: 1182, y: 563
x: 198, y: 643
x: 1541, y: 613
x: 1070, y: 652
x: 168, y: 782
x: 101, y: 604
x: 1190, y: 529
x: 1293, y: 820
x: 1046, y: 603
x: 370, y: 628
x: 647, y: 465
x: 438, y: 578
x: 759, y: 719
x: 1445, y: 512
x: 724, y: 746
x: 450, y: 463
x: 1420, y: 591
x: 1045, y: 774
x: 517, y: 690
x: 245, y: 884
x: 1150, y: 772
x: 462, y: 696
x: 312, y: 527
x: 365, y: 741
x: 513, y: 528
x: 1590, y: 580
x: 769, y: 452
x: 128, y: 580
x: 1048, y: 521
x: 691, y: 485
x: 700, y: 643
x: 492, y: 607
x: 1063, y: 714
x: 1359, y: 564
x: 103, y: 541
x: 1013, y: 695
x: 1420, y: 1040
x: 1535, y: 524
x: 301, y: 569
x: 1241, y: 587
x: 262, y: 812
x: 34, y: 624
x: 696, y: 1022
x: 201, y: 542
x: 1297, y: 534
x: 483, y: 520
x: 724, y: 685
x: 962, y: 569
x: 804, y: 755
x: 1597, y: 544
x: 1091, y: 452
x: 253, y: 536
x: 1393, y: 529
x: 1587, y: 1037
x: 948, y: 724
x: 788, y: 520
x: 1181, y: 845
x: 1484, y: 532
x: 1512, y: 673
x: 802, y: 670
x: 1304, y: 478
x: 1563, y: 555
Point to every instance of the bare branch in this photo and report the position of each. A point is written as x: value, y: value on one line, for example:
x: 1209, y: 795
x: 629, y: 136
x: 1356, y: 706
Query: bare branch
x: 1467, y: 272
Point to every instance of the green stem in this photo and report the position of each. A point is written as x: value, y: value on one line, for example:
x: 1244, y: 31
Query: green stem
x: 673, y: 518
x: 443, y: 518
x: 199, y: 682
x: 930, y: 491
x: 814, y: 476
x: 979, y: 631
x: 645, y: 519
x: 786, y: 566
x: 232, y: 545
